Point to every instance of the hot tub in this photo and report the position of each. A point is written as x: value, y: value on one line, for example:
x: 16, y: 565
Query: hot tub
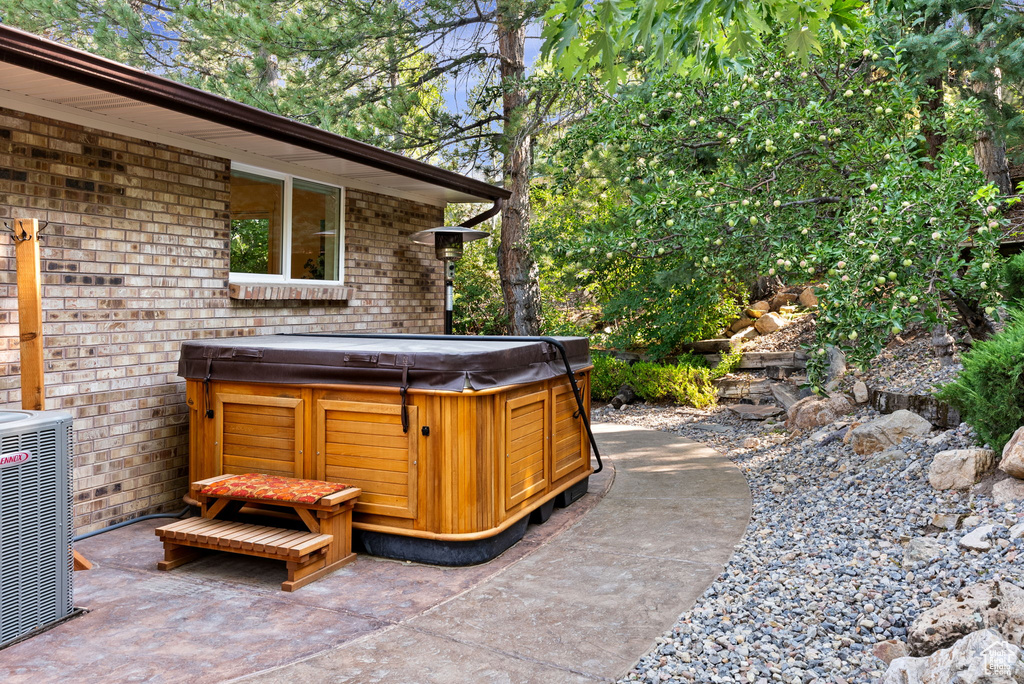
x: 456, y: 442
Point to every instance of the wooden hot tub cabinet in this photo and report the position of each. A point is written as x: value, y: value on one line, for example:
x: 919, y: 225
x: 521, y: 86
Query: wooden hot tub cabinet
x: 456, y: 486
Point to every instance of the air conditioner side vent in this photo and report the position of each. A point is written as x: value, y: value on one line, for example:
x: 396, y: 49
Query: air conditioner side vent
x: 36, y: 527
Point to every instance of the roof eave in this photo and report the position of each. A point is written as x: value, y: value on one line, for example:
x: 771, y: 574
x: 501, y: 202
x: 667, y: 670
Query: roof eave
x: 32, y: 52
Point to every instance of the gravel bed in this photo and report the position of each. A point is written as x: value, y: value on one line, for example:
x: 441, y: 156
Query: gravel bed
x: 908, y: 365
x: 793, y: 337
x: 819, y: 577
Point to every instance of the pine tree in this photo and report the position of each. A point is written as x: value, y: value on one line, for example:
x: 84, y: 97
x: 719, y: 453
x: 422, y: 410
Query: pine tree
x: 376, y: 71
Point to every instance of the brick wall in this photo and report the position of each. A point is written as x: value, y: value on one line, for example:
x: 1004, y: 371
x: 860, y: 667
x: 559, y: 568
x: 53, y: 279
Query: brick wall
x: 135, y: 260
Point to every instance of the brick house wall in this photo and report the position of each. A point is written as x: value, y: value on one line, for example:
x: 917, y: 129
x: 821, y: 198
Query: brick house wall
x: 135, y: 261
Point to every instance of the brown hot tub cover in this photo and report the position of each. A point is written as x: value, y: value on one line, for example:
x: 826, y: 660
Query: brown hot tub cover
x: 439, y: 363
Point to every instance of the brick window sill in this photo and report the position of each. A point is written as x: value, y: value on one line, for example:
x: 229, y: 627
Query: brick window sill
x: 289, y: 291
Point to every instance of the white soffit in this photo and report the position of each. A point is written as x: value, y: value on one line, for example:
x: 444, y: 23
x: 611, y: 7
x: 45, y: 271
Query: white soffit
x: 44, y: 95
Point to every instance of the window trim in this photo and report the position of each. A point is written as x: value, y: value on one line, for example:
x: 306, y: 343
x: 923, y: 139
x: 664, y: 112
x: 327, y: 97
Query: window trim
x: 286, y: 233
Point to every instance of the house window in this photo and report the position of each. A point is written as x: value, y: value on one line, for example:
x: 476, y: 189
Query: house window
x: 284, y: 228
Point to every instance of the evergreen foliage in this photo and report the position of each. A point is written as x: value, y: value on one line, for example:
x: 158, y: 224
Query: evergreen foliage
x: 989, y: 392
x: 1013, y: 274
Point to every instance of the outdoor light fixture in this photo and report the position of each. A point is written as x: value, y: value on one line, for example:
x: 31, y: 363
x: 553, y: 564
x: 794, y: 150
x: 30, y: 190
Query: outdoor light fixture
x: 448, y: 242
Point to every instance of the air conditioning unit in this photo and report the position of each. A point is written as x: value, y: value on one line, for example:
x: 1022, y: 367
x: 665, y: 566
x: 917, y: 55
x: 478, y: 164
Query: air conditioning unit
x: 35, y: 521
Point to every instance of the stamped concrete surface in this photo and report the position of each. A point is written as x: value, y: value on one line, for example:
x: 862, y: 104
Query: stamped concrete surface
x: 579, y: 599
x: 584, y: 606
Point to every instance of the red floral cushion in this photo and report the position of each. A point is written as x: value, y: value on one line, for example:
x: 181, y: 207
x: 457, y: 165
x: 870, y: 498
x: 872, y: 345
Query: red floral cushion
x: 273, y: 488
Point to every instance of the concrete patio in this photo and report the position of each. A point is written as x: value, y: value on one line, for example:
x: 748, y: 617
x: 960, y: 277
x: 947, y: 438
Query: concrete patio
x: 580, y: 599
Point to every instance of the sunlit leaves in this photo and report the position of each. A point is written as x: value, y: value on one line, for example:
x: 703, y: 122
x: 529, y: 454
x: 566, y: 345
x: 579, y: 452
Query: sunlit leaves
x: 599, y: 37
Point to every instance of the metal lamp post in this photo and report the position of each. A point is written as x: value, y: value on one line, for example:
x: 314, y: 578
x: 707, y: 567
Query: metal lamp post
x: 448, y: 242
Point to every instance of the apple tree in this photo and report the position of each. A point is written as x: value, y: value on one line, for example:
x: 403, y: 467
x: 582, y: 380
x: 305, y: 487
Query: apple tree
x: 807, y: 170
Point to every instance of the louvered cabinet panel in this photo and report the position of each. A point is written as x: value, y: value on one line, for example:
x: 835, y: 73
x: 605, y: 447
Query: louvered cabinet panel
x: 363, y: 444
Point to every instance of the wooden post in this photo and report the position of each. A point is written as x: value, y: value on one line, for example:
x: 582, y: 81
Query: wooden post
x: 30, y: 312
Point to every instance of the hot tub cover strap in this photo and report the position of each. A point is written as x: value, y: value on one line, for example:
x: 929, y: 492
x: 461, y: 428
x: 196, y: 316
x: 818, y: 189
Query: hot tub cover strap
x: 437, y: 363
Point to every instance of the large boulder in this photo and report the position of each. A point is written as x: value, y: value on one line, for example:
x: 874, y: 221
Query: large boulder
x: 812, y: 412
x: 888, y: 431
x: 836, y: 365
x: 1010, y: 490
x: 742, y: 323
x: 993, y: 604
x: 960, y: 468
x: 782, y: 299
x: 1013, y: 455
x: 982, y: 657
x: 808, y: 298
x: 769, y: 323
x: 742, y: 336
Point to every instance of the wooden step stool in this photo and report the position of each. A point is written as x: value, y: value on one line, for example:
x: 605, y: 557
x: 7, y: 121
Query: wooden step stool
x: 309, y: 555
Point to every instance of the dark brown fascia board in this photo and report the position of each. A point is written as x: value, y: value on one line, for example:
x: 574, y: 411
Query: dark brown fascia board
x: 39, y: 54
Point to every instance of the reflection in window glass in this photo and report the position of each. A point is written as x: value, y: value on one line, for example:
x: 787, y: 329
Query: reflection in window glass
x: 256, y: 223
x: 316, y: 230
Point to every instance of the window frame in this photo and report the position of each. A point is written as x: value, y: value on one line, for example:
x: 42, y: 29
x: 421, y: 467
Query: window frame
x: 286, y: 232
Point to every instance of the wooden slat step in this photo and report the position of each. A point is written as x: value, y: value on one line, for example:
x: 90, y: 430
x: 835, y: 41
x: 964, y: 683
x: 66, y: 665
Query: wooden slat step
x: 242, y: 536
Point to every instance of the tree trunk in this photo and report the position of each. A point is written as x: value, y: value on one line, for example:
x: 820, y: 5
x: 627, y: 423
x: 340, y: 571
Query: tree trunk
x: 973, y: 315
x: 516, y: 267
x: 933, y: 139
x: 989, y: 148
x: 990, y: 156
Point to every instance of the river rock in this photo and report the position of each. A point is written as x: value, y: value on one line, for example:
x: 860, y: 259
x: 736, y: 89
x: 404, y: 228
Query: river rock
x: 994, y: 604
x: 886, y: 457
x: 812, y: 412
x: 888, y: 431
x: 1013, y: 455
x: 960, y: 468
x: 808, y: 298
x: 948, y: 521
x: 769, y: 323
x: 750, y: 412
x: 888, y: 651
x: 971, y: 660
x: 924, y: 549
x: 860, y: 392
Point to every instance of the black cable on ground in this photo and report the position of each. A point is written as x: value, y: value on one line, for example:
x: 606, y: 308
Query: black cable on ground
x: 132, y: 522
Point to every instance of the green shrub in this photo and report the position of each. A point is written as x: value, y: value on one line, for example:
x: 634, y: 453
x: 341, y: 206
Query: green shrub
x: 989, y: 393
x: 1013, y: 272
x: 730, y: 360
x: 684, y: 384
x: 688, y: 382
x: 608, y: 376
x: 478, y: 306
